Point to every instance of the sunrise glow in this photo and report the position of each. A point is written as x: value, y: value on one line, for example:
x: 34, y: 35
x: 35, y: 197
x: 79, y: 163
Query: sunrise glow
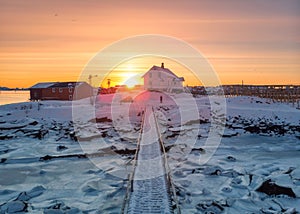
x: 256, y: 42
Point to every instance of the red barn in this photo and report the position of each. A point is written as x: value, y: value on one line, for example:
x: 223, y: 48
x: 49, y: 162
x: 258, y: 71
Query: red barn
x: 60, y: 91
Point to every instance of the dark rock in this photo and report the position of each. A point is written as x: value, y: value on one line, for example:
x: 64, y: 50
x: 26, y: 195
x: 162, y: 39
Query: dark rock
x: 197, y: 151
x: 252, y: 129
x: 47, y: 157
x: 72, y: 136
x: 250, y: 179
x: 125, y: 151
x: 201, y: 150
x: 180, y: 192
x: 167, y: 148
x: 50, y: 157
x: 34, y: 123
x: 210, y: 207
x: 61, y: 148
x: 291, y: 169
x: 217, y: 172
x: 175, y: 134
x: 270, y: 188
x: 101, y: 120
x: 5, y: 137
x: 226, y: 189
x: 231, y: 158
x: 104, y: 134
x: 213, y: 170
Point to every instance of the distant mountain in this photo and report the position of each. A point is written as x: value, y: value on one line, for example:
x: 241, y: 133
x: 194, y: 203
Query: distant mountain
x: 4, y: 89
x: 12, y: 89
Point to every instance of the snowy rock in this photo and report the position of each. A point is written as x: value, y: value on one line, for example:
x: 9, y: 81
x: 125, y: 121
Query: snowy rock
x: 226, y: 189
x: 175, y: 129
x: 210, y: 207
x: 290, y: 211
x: 282, y: 180
x: 296, y: 174
x: 90, y: 191
x: 213, y: 170
x: 185, y: 183
x: 17, y: 124
x: 236, y: 181
x: 61, y: 208
x: 23, y: 197
x: 296, y: 190
x: 237, y: 126
x: 14, y: 207
x: 230, y: 133
x: 53, y: 211
x: 36, y: 191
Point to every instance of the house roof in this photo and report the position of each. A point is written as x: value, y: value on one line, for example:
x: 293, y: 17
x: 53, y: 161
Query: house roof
x: 56, y: 84
x: 65, y: 84
x: 165, y: 70
x: 43, y: 85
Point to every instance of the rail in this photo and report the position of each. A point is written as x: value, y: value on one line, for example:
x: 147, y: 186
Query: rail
x: 169, y: 187
x: 167, y: 168
x: 131, y: 176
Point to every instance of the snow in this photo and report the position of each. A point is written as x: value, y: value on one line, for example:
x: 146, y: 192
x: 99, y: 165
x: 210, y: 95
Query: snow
x: 260, y: 142
x: 43, y: 85
x: 150, y: 193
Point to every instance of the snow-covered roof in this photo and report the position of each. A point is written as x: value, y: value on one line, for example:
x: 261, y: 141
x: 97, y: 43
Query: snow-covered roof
x: 165, y: 70
x: 65, y: 84
x: 56, y: 84
x: 43, y: 85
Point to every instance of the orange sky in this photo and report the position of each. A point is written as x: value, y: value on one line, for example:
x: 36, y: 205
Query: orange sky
x: 255, y: 41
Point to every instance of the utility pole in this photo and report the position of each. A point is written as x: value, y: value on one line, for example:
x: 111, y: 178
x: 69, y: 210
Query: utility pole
x: 91, y: 77
x: 108, y: 83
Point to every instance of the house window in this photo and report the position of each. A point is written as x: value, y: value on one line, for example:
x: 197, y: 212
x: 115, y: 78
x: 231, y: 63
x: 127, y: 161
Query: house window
x: 70, y: 97
x: 70, y: 90
x: 53, y: 90
x: 60, y: 90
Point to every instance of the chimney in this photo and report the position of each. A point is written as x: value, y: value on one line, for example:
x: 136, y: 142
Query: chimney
x: 162, y: 65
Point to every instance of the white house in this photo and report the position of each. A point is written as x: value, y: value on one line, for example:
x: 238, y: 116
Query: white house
x: 162, y: 79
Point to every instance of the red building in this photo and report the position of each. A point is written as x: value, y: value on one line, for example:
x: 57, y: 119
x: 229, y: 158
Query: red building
x: 60, y: 91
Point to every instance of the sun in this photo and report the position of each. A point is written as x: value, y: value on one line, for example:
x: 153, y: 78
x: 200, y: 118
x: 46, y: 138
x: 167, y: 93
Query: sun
x: 132, y: 81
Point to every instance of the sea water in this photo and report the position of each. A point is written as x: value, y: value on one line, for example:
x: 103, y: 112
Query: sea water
x: 8, y: 97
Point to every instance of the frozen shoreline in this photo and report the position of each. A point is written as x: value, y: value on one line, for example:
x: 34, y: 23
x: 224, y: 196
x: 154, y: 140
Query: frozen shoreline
x: 260, y: 142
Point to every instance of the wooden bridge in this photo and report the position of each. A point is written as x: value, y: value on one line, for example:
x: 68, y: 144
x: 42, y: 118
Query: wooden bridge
x: 150, y: 188
x: 280, y: 93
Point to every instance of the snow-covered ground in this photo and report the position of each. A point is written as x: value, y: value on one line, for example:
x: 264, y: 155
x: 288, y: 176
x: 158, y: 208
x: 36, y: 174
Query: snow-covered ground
x: 75, y: 157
